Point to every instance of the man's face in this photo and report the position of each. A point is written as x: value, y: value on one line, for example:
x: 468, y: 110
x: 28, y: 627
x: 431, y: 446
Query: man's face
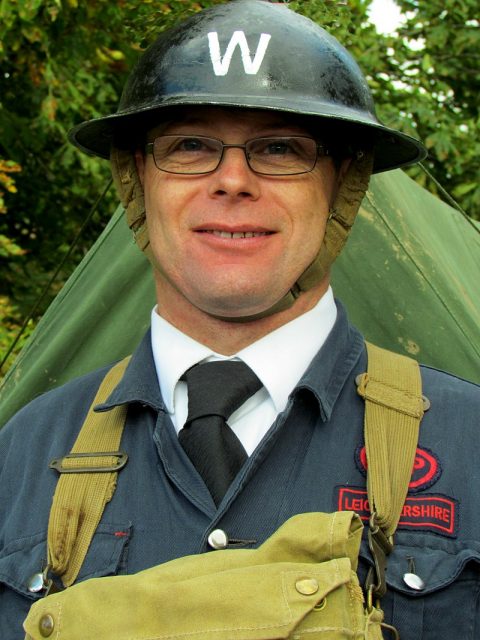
x: 232, y: 243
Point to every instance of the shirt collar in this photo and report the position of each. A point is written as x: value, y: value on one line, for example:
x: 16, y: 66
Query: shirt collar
x: 173, y: 352
x: 325, y: 377
x: 279, y: 359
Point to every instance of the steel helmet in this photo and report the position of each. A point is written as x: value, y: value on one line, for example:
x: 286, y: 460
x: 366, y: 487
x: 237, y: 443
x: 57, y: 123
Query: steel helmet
x: 249, y: 54
x: 252, y: 54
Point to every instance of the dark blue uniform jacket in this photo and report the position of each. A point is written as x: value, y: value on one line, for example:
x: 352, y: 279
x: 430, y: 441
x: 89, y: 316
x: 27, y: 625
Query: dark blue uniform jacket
x: 311, y: 459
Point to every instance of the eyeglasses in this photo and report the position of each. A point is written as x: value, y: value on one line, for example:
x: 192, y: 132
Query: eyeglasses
x: 271, y: 156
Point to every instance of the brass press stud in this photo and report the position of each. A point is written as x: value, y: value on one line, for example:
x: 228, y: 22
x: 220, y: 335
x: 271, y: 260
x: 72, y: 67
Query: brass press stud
x: 307, y: 586
x: 46, y: 625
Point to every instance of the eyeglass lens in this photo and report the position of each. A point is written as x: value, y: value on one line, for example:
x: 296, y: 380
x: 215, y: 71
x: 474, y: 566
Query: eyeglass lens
x: 276, y: 155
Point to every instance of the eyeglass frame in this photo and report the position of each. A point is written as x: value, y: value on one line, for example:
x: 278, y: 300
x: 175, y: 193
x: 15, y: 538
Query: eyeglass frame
x: 322, y: 151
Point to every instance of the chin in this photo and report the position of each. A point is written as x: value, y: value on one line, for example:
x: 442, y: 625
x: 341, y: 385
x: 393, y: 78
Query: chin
x: 235, y: 306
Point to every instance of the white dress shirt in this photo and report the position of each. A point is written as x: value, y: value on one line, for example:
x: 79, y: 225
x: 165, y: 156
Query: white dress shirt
x: 279, y: 359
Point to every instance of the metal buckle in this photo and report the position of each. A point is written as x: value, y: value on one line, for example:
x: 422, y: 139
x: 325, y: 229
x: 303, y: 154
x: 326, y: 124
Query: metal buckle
x: 51, y: 587
x: 121, y: 461
x: 380, y: 547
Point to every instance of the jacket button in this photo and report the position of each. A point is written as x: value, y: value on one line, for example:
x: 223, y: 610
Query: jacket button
x: 307, y: 586
x: 46, y: 625
x: 36, y: 583
x: 413, y: 581
x: 218, y: 539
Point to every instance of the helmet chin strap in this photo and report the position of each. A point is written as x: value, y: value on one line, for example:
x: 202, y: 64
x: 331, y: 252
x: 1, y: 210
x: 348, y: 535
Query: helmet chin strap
x: 342, y: 216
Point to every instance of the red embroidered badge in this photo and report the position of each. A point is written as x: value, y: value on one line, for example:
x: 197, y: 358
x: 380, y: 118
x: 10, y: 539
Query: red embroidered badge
x: 429, y: 512
x: 426, y: 468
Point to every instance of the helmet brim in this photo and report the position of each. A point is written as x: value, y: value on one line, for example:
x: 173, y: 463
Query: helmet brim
x: 392, y: 149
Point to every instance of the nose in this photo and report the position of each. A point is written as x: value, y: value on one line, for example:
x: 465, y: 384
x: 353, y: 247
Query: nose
x: 233, y: 177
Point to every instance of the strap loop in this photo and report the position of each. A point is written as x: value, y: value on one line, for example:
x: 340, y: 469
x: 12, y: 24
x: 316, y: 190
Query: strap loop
x: 384, y: 394
x: 75, y: 462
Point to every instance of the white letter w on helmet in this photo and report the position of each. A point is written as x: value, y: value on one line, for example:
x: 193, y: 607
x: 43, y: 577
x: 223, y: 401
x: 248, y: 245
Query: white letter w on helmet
x: 222, y: 65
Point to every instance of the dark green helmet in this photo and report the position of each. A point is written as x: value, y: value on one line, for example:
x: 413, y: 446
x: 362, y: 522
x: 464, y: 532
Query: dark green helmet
x: 257, y: 55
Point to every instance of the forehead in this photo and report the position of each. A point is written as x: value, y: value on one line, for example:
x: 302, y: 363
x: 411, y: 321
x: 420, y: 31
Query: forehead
x: 253, y: 119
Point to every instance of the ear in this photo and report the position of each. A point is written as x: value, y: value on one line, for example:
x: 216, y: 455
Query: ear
x: 140, y: 162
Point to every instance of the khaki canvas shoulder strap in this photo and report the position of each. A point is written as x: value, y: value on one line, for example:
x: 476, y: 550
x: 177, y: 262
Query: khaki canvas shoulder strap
x: 88, y: 477
x: 393, y: 409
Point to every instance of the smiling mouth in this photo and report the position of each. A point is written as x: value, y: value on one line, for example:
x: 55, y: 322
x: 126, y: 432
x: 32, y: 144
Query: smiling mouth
x: 237, y: 234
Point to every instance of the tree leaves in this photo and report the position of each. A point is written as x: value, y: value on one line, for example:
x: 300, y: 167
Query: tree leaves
x: 439, y: 44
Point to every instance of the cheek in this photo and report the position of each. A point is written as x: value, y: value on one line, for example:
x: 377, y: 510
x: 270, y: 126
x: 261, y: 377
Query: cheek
x: 309, y: 222
x: 310, y: 209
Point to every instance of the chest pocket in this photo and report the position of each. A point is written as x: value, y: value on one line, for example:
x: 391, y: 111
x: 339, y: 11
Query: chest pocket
x: 445, y: 604
x: 26, y: 556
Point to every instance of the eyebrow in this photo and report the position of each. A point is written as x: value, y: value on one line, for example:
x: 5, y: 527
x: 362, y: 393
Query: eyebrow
x: 275, y: 124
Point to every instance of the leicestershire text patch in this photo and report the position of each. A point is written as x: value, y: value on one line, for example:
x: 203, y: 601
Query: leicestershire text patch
x: 429, y: 512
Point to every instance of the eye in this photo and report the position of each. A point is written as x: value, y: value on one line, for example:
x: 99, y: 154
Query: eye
x: 186, y: 153
x: 277, y: 148
x: 190, y: 145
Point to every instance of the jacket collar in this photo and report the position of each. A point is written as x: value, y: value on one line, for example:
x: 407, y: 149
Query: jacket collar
x: 139, y: 383
x: 332, y: 366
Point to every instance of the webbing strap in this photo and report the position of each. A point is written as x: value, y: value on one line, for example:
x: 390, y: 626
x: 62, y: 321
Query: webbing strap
x: 81, y: 495
x: 392, y: 390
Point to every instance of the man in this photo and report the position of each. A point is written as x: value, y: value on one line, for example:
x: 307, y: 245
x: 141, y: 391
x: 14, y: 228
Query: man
x: 241, y: 173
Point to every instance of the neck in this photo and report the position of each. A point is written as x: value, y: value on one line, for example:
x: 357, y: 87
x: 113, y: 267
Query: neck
x: 226, y: 337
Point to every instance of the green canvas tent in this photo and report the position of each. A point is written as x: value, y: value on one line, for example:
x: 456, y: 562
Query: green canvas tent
x: 409, y: 277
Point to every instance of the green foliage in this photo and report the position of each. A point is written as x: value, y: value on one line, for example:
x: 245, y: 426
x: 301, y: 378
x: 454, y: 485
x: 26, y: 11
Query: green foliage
x: 6, y: 181
x: 9, y: 329
x: 57, y: 67
x: 65, y: 61
x: 432, y: 91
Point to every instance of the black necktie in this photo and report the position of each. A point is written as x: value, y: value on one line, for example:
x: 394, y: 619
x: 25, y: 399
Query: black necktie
x: 215, y: 391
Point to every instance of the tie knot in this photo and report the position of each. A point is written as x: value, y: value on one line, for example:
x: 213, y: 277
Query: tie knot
x: 219, y: 388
